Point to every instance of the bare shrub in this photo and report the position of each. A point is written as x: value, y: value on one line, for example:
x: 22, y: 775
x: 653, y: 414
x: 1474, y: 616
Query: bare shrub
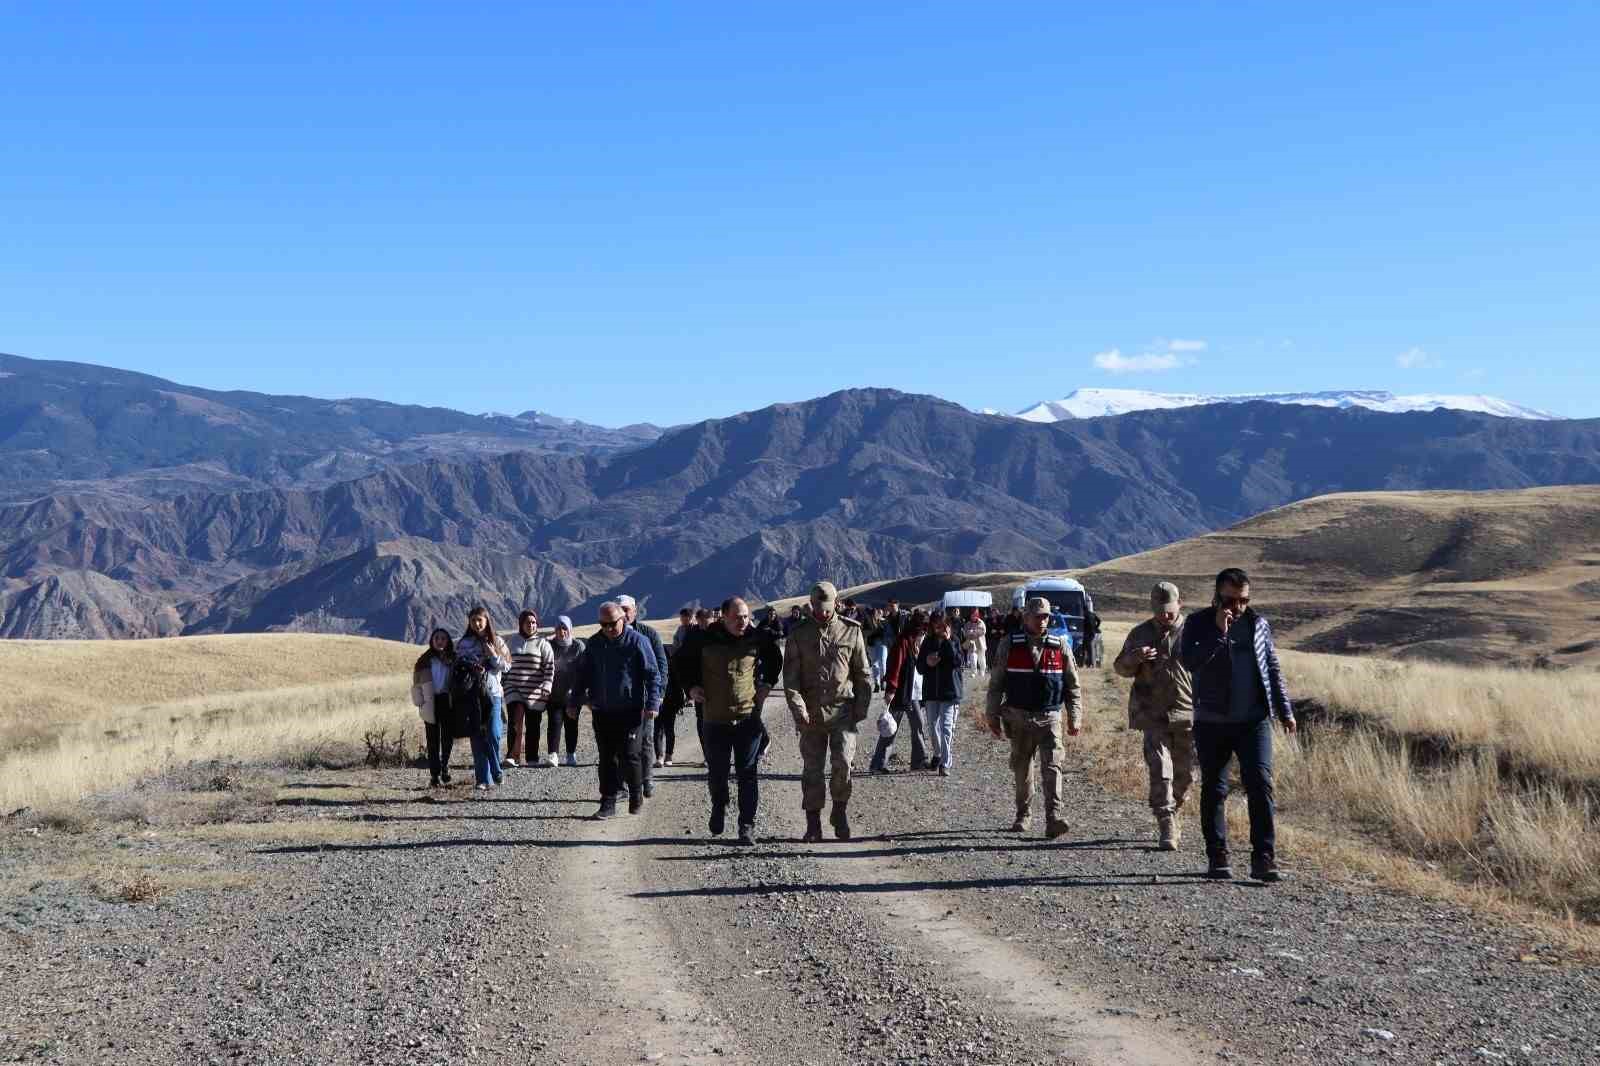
x: 387, y: 747
x: 142, y: 889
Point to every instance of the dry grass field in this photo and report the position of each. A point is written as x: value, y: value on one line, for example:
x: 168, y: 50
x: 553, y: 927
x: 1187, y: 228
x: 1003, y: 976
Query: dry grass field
x: 1477, y: 785
x: 83, y: 716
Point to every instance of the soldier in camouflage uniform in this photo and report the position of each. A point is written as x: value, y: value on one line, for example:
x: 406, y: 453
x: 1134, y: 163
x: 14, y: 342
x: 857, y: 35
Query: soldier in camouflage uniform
x: 1033, y: 682
x: 829, y: 689
x: 1161, y: 705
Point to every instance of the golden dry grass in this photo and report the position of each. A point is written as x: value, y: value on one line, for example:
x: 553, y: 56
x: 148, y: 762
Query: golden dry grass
x: 1355, y: 801
x: 82, y: 716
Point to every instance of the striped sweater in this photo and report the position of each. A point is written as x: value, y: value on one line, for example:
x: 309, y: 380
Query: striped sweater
x: 532, y: 670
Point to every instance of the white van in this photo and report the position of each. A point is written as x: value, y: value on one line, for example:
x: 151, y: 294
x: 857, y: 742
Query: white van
x: 1071, y: 605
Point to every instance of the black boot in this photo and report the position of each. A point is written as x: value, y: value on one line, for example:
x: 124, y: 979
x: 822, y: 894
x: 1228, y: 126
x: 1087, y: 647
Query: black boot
x: 841, y: 824
x: 813, y: 828
x: 608, y: 809
x: 719, y: 819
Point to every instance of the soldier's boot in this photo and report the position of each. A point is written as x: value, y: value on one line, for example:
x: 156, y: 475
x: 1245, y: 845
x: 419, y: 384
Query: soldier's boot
x: 841, y: 823
x: 813, y: 828
x: 1023, y: 823
x: 1167, y: 826
x: 1054, y: 827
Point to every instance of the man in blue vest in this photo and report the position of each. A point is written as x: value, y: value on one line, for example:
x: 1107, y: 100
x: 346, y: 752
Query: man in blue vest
x: 1033, y: 682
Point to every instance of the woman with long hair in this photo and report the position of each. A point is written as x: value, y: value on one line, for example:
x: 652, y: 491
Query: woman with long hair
x: 481, y: 657
x: 902, y: 688
x: 430, y: 692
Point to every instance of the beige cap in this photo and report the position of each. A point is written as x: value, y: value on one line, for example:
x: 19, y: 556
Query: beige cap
x: 1165, y: 594
x: 1038, y: 605
x: 823, y: 594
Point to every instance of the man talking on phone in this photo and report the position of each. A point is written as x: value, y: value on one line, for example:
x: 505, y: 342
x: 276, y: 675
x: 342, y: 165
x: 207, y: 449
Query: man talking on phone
x: 1238, y: 689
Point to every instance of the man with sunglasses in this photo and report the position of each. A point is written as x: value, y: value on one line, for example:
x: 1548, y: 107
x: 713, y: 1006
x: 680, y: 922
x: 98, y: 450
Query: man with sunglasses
x: 618, y: 676
x: 1237, y: 689
x: 731, y: 668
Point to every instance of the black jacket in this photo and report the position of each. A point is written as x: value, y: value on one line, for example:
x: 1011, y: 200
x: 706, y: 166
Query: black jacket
x: 942, y: 683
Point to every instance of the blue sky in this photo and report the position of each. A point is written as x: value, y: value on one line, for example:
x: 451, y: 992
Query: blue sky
x: 630, y: 211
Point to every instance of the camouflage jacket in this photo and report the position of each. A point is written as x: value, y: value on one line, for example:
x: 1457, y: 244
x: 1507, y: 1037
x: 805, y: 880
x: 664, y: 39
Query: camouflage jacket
x: 825, y: 674
x: 1162, y: 692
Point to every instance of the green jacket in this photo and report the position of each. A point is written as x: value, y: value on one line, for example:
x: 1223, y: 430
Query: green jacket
x: 730, y: 669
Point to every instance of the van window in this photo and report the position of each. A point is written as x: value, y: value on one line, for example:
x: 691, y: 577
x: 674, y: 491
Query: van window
x: 1067, y: 603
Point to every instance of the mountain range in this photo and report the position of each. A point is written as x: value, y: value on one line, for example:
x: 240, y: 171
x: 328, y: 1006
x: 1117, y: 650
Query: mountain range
x: 96, y: 430
x: 1102, y: 403
x: 857, y: 485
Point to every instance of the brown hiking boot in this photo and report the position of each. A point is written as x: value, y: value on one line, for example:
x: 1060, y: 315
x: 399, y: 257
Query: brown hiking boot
x: 1054, y: 828
x: 813, y: 828
x: 841, y: 824
x: 1023, y: 823
x: 1167, y: 827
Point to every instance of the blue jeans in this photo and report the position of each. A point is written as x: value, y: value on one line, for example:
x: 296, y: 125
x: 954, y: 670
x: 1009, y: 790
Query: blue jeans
x: 942, y: 715
x: 486, y: 746
x: 1216, y: 744
x: 740, y: 743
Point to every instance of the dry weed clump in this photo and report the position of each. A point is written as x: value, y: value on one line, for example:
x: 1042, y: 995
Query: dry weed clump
x: 142, y: 889
x: 1457, y: 817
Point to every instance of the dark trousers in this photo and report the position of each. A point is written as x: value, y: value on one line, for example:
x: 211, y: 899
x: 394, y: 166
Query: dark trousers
x: 906, y: 716
x: 440, y: 743
x: 647, y: 754
x: 568, y: 727
x: 552, y: 731
x: 616, y: 737
x: 666, y: 734
x: 1216, y: 744
x: 739, y: 743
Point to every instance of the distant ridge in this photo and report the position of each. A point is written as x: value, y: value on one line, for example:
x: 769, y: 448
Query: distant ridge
x: 1101, y: 403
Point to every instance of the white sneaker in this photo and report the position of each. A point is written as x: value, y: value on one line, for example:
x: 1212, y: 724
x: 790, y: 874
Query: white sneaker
x: 552, y: 760
x: 572, y: 760
x: 512, y: 763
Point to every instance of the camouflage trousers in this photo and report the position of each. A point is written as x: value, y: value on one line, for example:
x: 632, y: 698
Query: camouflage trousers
x: 1169, y: 756
x: 836, y: 745
x: 1036, y: 738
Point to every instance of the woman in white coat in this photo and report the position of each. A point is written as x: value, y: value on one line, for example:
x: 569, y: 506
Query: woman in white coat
x: 430, y: 692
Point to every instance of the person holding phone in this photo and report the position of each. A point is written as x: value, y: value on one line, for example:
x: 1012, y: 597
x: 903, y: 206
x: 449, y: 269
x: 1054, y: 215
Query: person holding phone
x: 1238, y: 690
x: 1161, y: 706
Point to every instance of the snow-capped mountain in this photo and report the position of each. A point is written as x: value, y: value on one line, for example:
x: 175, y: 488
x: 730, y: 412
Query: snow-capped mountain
x: 1097, y: 403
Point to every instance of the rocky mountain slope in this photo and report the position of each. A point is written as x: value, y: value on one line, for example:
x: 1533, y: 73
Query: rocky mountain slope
x: 858, y: 485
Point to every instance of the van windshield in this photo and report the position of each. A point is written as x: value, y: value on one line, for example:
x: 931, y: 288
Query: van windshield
x: 1062, y: 601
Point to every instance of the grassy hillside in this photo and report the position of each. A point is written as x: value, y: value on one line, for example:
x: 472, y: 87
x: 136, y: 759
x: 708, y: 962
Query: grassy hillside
x: 1488, y: 578
x: 77, y: 716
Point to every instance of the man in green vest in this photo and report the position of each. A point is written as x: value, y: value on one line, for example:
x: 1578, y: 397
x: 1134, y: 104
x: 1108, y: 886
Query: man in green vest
x: 731, y: 667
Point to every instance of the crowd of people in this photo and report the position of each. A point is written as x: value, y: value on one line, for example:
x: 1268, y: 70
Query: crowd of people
x: 1207, y: 687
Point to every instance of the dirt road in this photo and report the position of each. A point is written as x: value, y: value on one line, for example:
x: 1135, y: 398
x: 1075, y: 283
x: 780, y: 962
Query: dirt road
x: 364, y: 923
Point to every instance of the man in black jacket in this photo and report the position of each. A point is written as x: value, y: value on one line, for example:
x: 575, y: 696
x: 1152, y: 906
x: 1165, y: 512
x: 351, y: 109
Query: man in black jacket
x: 1238, y: 689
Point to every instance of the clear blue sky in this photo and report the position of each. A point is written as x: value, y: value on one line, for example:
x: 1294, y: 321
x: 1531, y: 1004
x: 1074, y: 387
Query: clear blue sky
x: 625, y: 211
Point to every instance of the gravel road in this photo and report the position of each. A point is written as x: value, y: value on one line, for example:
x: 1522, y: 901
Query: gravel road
x: 364, y: 923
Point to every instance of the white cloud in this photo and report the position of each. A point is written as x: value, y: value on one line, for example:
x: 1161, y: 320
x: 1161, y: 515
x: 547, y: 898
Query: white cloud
x: 1117, y: 363
x: 1417, y: 359
x: 1186, y: 346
